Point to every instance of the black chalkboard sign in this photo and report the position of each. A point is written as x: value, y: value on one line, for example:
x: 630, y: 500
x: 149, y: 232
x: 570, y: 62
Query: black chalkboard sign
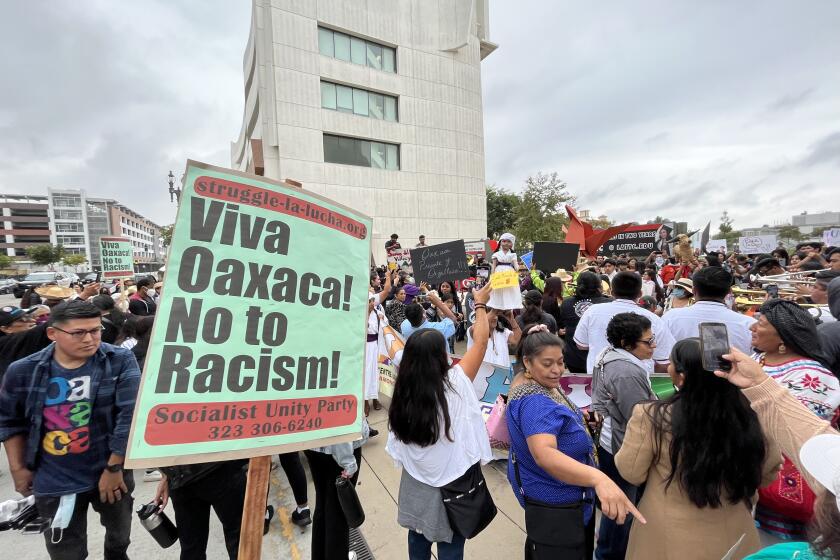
x: 549, y: 256
x: 436, y: 263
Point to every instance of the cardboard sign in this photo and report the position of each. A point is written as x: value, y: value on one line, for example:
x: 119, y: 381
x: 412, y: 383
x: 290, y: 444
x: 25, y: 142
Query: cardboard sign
x: 436, y: 263
x: 757, y: 244
x: 831, y: 237
x: 117, y: 257
x: 233, y: 370
x: 504, y: 279
x: 399, y: 259
x: 549, y: 256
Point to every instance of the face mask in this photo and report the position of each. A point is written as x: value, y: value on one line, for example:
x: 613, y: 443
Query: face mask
x: 62, y: 517
x: 679, y: 293
x: 151, y: 293
x: 659, y: 261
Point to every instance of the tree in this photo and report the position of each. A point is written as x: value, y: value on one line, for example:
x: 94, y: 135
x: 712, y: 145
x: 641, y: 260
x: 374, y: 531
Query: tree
x: 541, y: 214
x: 790, y: 234
x: 601, y: 222
x: 725, y: 226
x: 73, y: 260
x: 6, y: 262
x: 46, y: 254
x: 166, y: 231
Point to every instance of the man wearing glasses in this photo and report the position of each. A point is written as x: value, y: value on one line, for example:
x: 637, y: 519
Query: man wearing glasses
x: 65, y: 414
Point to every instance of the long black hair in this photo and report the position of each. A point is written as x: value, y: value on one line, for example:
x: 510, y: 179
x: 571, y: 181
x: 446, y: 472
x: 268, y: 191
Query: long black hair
x: 553, y: 290
x: 588, y: 286
x: 717, y: 448
x: 533, y: 307
x: 419, y: 398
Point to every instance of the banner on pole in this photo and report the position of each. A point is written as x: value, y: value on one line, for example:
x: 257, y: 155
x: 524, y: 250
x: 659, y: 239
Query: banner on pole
x: 117, y: 255
x: 257, y: 347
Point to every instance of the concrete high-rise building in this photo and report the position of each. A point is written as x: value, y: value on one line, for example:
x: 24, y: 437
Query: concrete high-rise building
x: 25, y: 222
x: 375, y: 104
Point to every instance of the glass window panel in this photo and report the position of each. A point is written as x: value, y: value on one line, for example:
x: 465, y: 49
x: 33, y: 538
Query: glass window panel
x: 330, y: 148
x: 374, y: 56
x: 360, y: 102
x: 392, y: 156
x: 357, y: 51
x: 342, y: 46
x: 363, y: 152
x: 325, y: 41
x: 390, y: 108
x: 377, y: 105
x: 389, y: 59
x: 328, y: 95
x: 344, y: 96
x: 377, y: 155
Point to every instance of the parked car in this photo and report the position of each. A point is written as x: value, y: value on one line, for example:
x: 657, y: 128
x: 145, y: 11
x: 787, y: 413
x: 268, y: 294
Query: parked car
x: 7, y: 285
x: 39, y: 278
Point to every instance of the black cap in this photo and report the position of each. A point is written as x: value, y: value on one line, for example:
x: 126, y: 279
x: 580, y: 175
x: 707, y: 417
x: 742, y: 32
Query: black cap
x: 9, y: 314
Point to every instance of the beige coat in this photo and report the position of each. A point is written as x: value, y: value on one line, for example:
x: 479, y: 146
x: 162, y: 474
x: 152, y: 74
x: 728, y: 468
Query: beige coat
x: 677, y: 529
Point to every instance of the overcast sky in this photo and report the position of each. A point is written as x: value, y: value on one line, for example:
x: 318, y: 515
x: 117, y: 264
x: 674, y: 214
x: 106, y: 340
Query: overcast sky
x: 676, y: 108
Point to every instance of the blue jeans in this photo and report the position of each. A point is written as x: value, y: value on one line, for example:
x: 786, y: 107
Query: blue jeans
x: 419, y: 548
x: 612, y: 537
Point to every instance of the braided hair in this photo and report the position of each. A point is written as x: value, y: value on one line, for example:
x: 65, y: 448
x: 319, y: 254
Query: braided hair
x: 796, y: 328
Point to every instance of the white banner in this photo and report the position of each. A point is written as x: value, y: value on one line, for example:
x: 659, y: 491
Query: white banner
x: 831, y: 237
x: 716, y: 245
x: 756, y: 244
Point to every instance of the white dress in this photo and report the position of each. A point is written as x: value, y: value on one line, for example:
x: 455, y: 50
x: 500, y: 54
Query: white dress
x: 505, y: 298
x: 376, y: 320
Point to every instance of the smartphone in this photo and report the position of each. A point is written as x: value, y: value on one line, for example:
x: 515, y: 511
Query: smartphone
x: 714, y: 343
x: 772, y: 291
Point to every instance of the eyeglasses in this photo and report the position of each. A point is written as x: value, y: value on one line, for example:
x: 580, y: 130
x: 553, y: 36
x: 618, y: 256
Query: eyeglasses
x: 80, y: 335
x: 650, y: 342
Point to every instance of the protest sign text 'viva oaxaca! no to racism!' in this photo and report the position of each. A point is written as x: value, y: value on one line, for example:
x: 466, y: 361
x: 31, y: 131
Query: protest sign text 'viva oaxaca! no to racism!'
x: 258, y: 344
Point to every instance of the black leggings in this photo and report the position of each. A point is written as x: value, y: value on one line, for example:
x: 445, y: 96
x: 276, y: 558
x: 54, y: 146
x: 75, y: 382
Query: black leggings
x: 297, y: 476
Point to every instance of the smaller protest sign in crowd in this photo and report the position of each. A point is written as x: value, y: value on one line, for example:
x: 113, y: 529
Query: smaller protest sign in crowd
x: 687, y: 392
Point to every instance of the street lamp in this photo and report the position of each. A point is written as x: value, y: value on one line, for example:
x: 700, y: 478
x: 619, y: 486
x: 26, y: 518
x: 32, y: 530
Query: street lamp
x: 174, y: 193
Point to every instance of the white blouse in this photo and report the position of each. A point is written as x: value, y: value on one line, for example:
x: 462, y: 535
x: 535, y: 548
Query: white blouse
x: 442, y: 462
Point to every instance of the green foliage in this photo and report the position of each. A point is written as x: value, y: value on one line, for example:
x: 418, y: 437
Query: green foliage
x: 166, y: 233
x: 790, y: 234
x: 46, y: 254
x: 6, y: 262
x: 541, y: 214
x: 73, y: 260
x: 725, y: 226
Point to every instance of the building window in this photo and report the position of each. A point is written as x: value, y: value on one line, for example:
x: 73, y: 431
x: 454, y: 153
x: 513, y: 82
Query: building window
x: 358, y: 101
x: 67, y: 201
x: 67, y: 214
x: 356, y: 50
x: 70, y: 239
x: 69, y: 228
x: 365, y: 153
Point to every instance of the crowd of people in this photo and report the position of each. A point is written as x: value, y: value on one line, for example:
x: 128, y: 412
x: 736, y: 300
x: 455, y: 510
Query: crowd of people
x: 724, y: 464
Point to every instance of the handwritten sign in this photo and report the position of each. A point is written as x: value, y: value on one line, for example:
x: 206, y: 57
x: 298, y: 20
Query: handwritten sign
x: 504, y: 279
x: 831, y: 237
x: 716, y: 245
x: 436, y: 263
x: 757, y: 244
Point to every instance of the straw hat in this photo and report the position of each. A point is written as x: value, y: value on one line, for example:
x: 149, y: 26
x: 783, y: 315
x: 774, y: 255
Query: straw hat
x: 562, y: 275
x: 686, y: 284
x: 54, y: 292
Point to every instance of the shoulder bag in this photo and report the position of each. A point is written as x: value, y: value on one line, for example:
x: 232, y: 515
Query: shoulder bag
x: 468, y: 503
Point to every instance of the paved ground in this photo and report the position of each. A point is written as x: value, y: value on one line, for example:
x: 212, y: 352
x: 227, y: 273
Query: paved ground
x: 378, y: 490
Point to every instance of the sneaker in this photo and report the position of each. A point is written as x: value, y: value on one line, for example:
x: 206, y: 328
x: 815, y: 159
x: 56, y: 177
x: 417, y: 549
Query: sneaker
x: 151, y: 475
x: 269, y: 514
x: 352, y: 555
x: 301, y: 518
x: 373, y: 433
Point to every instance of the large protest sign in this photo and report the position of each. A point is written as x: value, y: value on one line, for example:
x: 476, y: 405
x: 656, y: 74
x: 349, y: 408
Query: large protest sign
x: 831, y: 237
x: 549, y: 256
x: 639, y: 240
x: 716, y: 245
x: 436, y: 263
x: 117, y: 255
x: 757, y: 244
x: 258, y: 347
x: 399, y: 259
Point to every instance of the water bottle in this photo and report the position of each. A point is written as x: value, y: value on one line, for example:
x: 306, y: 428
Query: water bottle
x: 157, y: 524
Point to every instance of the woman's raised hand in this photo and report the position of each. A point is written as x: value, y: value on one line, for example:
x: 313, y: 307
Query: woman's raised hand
x: 745, y: 372
x: 482, y: 295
